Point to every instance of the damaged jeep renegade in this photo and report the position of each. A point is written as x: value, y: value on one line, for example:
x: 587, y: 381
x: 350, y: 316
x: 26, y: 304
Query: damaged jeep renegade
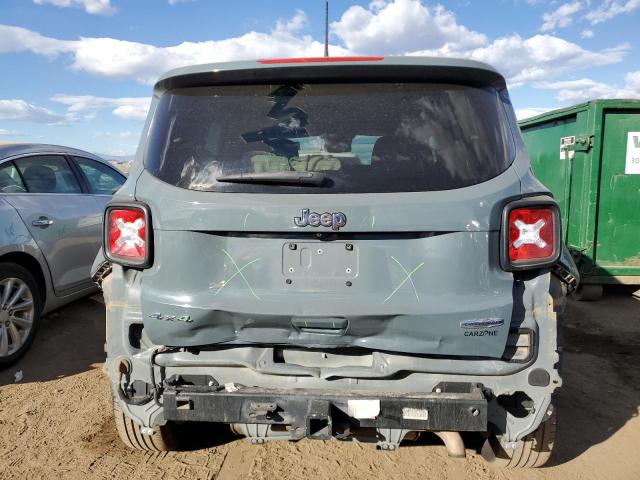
x: 351, y: 248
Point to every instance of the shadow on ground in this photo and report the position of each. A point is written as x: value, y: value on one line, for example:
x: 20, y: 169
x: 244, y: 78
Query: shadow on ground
x: 601, y: 379
x: 202, y: 435
x: 69, y: 341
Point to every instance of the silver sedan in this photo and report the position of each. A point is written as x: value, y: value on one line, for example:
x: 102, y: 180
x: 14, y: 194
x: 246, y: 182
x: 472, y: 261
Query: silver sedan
x: 51, y: 204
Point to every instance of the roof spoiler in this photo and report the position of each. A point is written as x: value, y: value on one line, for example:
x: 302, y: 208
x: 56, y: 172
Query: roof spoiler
x: 330, y: 70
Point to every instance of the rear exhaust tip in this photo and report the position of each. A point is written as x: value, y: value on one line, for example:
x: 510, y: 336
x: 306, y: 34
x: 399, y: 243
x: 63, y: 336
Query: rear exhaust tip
x: 453, y: 443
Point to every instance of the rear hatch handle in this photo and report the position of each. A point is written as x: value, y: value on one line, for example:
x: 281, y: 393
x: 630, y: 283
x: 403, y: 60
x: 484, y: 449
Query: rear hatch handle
x: 325, y: 325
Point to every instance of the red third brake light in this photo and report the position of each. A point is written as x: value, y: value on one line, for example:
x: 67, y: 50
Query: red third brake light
x: 126, y: 232
x: 320, y: 60
x: 531, y: 235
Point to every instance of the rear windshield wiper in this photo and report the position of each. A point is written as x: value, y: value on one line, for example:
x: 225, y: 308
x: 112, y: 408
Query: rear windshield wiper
x: 314, y: 179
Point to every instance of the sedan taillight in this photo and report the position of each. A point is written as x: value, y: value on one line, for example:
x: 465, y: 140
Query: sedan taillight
x: 127, y: 235
x: 530, y: 234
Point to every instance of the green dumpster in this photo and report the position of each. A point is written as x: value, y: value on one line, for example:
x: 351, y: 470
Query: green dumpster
x: 588, y: 155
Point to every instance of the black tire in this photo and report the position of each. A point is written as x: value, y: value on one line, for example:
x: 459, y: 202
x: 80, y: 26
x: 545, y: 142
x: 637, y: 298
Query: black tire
x: 13, y: 270
x: 532, y: 451
x: 162, y: 440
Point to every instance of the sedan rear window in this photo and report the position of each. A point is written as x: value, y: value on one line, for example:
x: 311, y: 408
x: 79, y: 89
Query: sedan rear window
x: 363, y: 138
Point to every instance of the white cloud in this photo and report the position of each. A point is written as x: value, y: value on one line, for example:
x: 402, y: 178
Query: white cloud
x: 20, y: 110
x: 522, y: 113
x: 544, y: 56
x: 403, y: 25
x: 174, y: 2
x: 10, y: 133
x: 587, y: 34
x: 111, y: 57
x: 561, y: 17
x: 92, y: 7
x: 135, y: 112
x: 118, y: 58
x: 127, y: 151
x: 411, y: 27
x: 129, y: 108
x: 119, y: 135
x: 296, y: 23
x: 18, y: 39
x: 524, y: 60
x: 611, y: 8
x: 384, y: 27
x: 587, y: 89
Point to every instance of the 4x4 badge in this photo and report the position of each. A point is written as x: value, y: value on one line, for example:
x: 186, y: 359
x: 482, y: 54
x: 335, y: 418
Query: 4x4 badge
x: 335, y: 220
x: 172, y: 318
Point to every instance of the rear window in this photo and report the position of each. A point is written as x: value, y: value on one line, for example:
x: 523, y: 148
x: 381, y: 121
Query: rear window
x: 364, y: 138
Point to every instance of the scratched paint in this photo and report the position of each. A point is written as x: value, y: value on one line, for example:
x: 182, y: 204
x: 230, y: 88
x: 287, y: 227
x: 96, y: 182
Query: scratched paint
x: 12, y: 236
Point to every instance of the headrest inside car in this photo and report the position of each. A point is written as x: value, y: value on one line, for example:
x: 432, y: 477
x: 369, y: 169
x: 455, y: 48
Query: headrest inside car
x: 40, y: 178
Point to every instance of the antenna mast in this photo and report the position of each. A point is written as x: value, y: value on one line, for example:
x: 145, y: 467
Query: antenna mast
x: 326, y: 28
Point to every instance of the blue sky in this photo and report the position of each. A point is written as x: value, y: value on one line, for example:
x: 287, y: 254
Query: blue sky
x: 80, y: 72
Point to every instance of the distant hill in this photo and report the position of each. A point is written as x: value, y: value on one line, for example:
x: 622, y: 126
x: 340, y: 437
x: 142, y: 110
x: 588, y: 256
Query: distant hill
x: 121, y: 162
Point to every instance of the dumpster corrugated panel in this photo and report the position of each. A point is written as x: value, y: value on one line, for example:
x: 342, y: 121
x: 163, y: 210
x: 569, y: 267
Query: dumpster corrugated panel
x: 597, y: 183
x: 551, y: 165
x: 618, y: 234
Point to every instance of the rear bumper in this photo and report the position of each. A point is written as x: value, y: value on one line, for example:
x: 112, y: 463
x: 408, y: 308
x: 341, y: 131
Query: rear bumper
x: 318, y: 415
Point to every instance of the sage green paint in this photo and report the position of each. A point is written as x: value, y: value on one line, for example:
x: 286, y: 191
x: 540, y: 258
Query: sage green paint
x: 402, y: 299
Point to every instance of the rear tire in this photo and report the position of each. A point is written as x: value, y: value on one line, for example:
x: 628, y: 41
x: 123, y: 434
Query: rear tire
x: 532, y: 451
x: 162, y: 440
x: 18, y: 327
x: 588, y: 293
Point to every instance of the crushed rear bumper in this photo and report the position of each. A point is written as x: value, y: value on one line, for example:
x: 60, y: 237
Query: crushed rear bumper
x: 321, y: 414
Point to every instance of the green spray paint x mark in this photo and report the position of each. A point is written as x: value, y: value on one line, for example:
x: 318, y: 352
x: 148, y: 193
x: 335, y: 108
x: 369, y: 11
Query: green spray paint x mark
x: 238, y: 272
x: 406, y: 279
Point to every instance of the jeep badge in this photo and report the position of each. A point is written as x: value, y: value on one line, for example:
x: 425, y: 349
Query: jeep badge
x: 334, y: 220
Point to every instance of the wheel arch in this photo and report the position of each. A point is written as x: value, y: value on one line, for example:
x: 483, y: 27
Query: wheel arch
x: 33, y: 265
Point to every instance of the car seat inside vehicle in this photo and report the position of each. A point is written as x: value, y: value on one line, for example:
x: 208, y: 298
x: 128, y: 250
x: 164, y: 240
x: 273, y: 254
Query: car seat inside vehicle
x: 40, y: 178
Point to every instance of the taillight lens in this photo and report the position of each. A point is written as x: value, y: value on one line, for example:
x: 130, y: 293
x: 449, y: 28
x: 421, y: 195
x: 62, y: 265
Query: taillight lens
x: 127, y: 232
x: 531, y: 234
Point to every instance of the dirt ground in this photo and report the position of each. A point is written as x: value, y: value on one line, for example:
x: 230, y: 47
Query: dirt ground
x: 56, y: 422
